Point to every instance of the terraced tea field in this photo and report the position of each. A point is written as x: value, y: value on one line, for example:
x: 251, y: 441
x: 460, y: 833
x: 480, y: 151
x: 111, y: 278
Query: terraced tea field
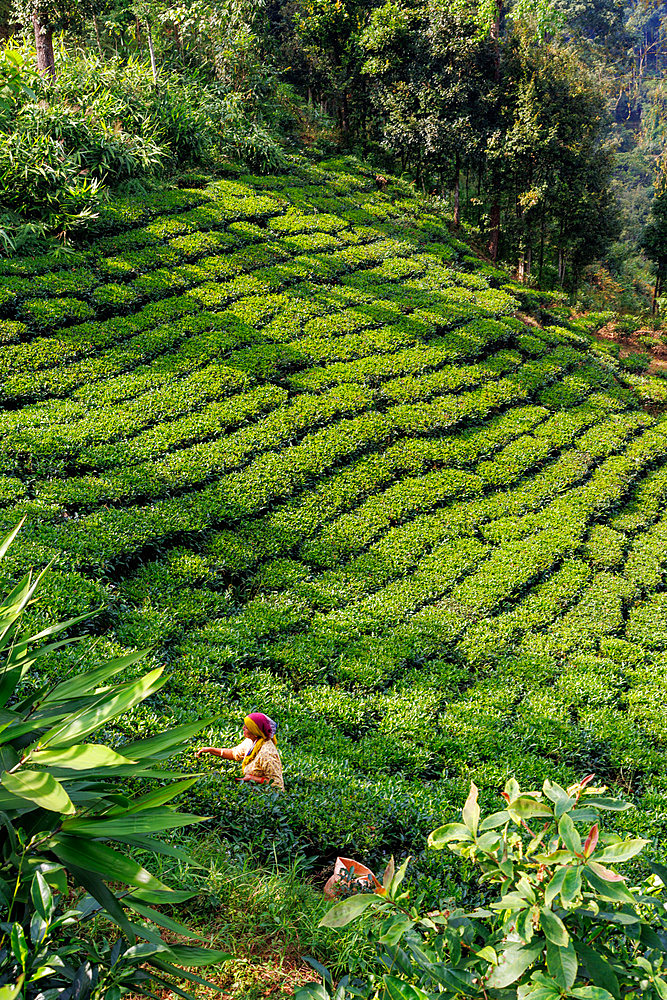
x: 291, y: 435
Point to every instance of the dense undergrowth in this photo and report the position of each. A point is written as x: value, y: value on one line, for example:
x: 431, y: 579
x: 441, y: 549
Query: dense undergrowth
x: 288, y: 432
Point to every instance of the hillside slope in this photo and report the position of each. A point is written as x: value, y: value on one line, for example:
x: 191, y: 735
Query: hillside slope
x: 291, y: 435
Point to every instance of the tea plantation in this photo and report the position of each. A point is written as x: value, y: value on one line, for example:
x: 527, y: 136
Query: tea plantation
x: 290, y: 434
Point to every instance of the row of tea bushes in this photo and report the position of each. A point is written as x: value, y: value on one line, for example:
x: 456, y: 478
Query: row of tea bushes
x: 291, y: 435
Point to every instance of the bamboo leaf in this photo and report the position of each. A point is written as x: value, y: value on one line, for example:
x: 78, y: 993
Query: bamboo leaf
x: 128, y: 825
x: 84, y: 683
x: 40, y: 788
x: 80, y: 757
x: 90, y: 719
x: 104, y: 861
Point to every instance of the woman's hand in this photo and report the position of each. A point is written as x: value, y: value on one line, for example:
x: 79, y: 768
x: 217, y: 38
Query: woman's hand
x: 213, y: 750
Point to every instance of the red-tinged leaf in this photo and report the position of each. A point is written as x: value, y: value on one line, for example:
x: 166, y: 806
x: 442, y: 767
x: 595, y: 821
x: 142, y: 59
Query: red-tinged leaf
x: 505, y: 796
x: 591, y: 841
x: 606, y: 873
x: 587, y: 780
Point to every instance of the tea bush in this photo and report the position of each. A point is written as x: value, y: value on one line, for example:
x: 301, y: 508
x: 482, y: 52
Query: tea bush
x: 563, y: 922
x: 292, y: 437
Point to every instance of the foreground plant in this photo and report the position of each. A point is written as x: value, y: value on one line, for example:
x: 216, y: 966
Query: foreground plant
x: 564, y: 923
x: 63, y: 805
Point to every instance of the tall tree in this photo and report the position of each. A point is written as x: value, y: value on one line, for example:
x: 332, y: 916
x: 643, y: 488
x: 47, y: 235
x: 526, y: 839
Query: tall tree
x: 654, y: 239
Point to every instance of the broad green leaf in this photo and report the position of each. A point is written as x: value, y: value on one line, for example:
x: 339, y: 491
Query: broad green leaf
x: 661, y: 987
x: 90, y: 719
x: 513, y: 963
x: 569, y: 834
x: 40, y: 788
x: 128, y: 825
x: 80, y: 757
x: 156, y: 746
x: 540, y: 987
x: 562, y: 964
x: 158, y: 797
x: 161, y: 919
x: 561, y: 800
x: 512, y: 789
x: 591, y: 993
x: 571, y: 884
x: 555, y: 885
x: 618, y: 917
x: 448, y: 833
x: 603, y: 802
x: 396, y: 930
x: 342, y: 913
x: 87, y: 682
x: 553, y: 927
x: 526, y: 807
x: 400, y: 875
x: 398, y: 989
x: 12, y: 992
x: 470, y: 812
x: 615, y: 891
x: 494, y: 820
x: 622, y: 852
x: 659, y: 870
x: 605, y: 873
x: 389, y: 873
x: 598, y: 969
x: 19, y: 944
x: 193, y: 957
x: 143, y: 950
x: 104, y: 861
x: 8, y: 758
x: 40, y: 893
x: 525, y: 926
x: 94, y: 885
x: 584, y: 815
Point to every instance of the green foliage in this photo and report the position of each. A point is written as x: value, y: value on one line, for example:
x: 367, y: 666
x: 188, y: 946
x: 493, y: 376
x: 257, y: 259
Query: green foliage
x: 556, y: 919
x: 318, y: 464
x: 16, y: 79
x: 63, y: 808
x: 37, y: 182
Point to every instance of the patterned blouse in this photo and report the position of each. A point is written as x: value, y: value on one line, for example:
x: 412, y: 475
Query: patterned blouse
x: 266, y: 765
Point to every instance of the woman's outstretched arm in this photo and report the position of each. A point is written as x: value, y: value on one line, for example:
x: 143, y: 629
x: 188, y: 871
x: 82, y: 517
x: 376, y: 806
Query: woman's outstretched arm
x: 227, y: 753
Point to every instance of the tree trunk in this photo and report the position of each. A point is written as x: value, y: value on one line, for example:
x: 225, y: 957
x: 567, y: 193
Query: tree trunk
x: 46, y: 63
x: 561, y: 265
x: 656, y: 292
x: 457, y: 193
x: 137, y: 30
x: 151, y: 49
x: 494, y: 237
x: 543, y: 235
x: 96, y: 25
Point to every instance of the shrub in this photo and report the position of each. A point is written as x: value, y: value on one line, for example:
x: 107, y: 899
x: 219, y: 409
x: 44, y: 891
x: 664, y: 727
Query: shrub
x: 636, y: 362
x: 39, y: 182
x: 63, y: 804
x: 562, y: 922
